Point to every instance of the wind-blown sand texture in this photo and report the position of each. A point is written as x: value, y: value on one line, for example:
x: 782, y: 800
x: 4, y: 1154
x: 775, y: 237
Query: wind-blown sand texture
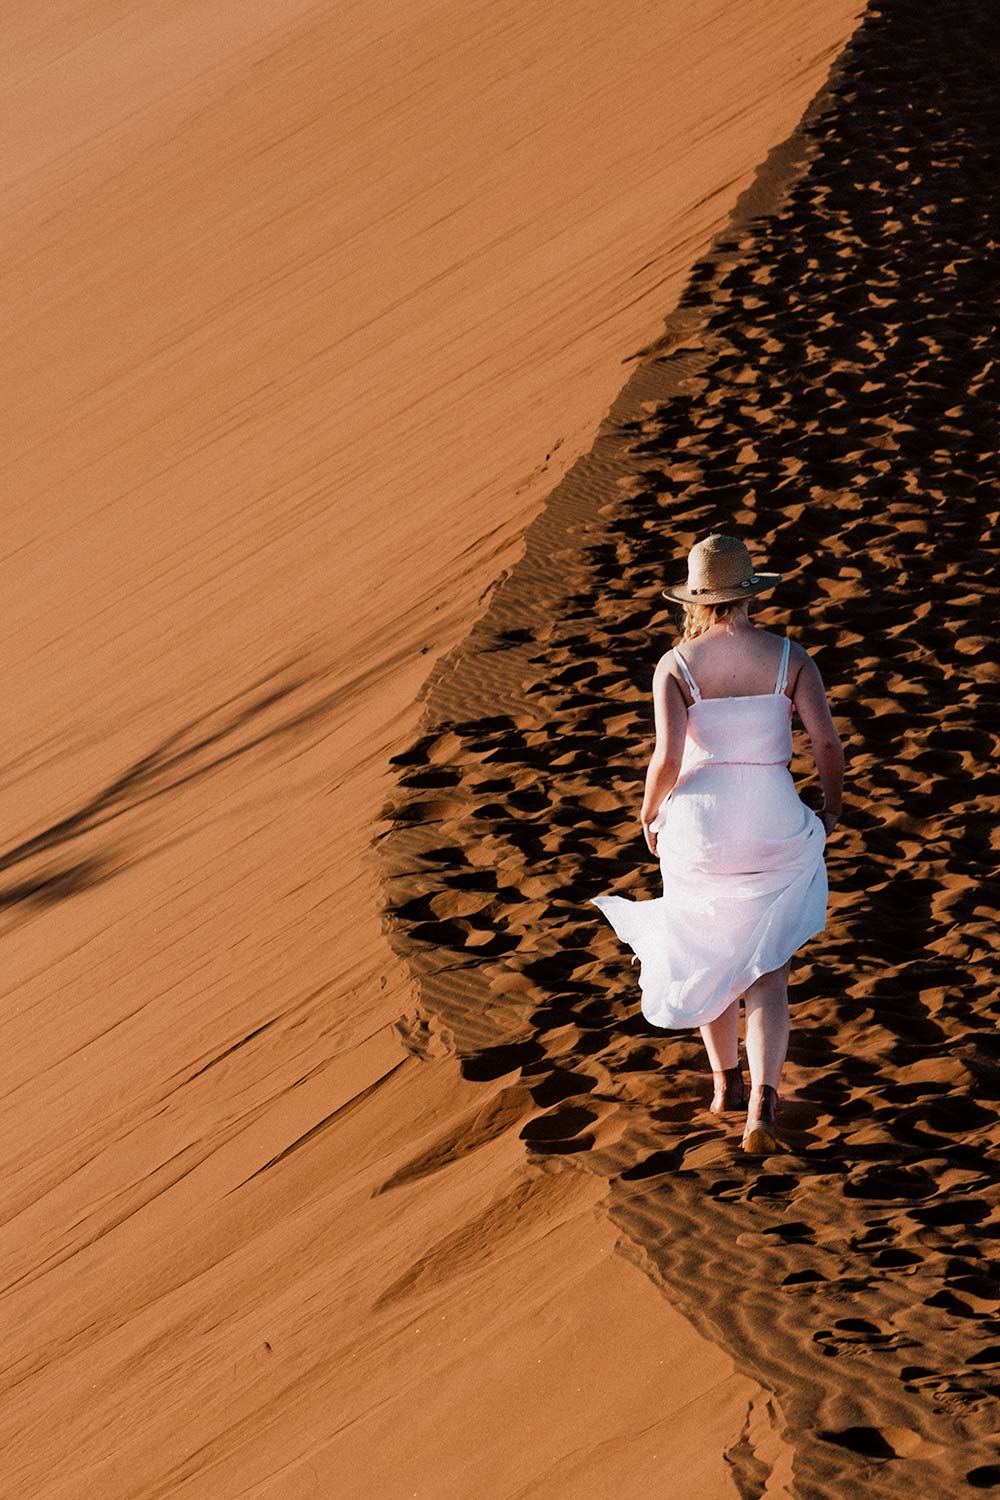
x: 308, y: 308
x: 828, y: 388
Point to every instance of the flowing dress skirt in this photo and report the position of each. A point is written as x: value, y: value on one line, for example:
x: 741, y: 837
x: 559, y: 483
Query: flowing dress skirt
x: 744, y: 886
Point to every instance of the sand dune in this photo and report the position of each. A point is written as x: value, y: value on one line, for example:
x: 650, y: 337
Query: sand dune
x: 827, y: 388
x: 307, y: 313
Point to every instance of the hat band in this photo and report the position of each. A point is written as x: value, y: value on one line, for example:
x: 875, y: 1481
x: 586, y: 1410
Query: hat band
x: 745, y: 584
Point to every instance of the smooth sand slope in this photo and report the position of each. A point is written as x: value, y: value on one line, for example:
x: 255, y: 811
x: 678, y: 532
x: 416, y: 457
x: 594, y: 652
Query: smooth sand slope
x: 829, y: 389
x: 307, y: 308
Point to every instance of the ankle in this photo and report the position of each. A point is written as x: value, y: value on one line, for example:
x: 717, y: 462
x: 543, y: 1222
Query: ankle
x: 762, y: 1104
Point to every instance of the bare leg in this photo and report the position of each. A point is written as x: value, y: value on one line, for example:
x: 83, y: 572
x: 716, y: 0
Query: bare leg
x: 766, y: 1003
x: 722, y: 1038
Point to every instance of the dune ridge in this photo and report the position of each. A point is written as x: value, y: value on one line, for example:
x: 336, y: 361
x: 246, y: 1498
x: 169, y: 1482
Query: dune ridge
x: 826, y: 388
x: 308, y: 308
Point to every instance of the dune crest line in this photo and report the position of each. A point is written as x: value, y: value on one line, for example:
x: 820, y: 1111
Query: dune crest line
x: 826, y: 387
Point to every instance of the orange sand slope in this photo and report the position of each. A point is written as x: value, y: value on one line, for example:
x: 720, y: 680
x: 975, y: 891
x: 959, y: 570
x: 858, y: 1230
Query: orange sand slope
x: 307, y: 312
x: 829, y: 387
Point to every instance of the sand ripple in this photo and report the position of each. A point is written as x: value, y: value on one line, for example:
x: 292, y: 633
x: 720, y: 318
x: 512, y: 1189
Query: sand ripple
x: 827, y: 388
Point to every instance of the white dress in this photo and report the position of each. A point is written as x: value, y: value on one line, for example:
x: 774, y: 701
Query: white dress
x: 742, y: 860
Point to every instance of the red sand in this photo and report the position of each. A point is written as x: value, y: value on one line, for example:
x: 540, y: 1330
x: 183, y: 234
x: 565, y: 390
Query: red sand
x: 307, y: 316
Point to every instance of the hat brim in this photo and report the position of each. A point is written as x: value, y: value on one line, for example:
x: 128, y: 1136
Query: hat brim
x: 680, y: 594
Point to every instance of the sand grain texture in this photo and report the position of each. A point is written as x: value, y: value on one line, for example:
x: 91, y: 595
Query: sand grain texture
x: 307, y: 311
x: 828, y: 388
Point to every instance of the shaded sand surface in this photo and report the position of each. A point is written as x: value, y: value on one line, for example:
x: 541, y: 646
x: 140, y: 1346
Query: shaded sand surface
x: 828, y: 387
x: 307, y: 308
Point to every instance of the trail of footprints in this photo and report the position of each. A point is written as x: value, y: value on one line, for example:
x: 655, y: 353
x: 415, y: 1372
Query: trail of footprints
x: 843, y: 418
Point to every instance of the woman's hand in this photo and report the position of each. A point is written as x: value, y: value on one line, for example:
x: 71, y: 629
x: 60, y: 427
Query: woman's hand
x: 651, y: 835
x: 829, y: 820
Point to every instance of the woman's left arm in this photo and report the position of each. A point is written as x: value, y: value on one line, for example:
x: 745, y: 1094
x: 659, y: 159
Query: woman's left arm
x: 670, y: 713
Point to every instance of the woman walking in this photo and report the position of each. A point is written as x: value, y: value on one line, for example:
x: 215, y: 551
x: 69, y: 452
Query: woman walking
x: 741, y: 856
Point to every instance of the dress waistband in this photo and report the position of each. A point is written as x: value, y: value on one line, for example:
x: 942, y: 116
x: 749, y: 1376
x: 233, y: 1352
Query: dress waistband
x: 697, y: 765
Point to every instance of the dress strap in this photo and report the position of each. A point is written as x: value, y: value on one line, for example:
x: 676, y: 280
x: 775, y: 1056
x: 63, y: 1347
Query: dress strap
x: 783, y: 669
x: 695, y: 690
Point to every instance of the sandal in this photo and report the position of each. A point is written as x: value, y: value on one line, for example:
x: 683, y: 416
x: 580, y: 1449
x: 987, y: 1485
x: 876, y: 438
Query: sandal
x: 730, y: 1091
x: 759, y: 1138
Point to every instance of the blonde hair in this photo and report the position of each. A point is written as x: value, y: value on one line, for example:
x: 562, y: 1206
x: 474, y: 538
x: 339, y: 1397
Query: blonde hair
x: 701, y: 617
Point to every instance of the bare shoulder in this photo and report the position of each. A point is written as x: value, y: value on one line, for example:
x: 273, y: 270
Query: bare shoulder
x: 800, y: 668
x: 803, y: 659
x: 667, y: 668
x: 779, y: 639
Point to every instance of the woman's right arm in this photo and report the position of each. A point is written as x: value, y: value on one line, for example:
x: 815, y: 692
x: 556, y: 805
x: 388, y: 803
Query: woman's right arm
x: 810, y: 701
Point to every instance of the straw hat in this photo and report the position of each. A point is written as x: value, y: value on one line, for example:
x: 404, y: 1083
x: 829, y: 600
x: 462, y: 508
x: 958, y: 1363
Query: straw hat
x: 719, y: 569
